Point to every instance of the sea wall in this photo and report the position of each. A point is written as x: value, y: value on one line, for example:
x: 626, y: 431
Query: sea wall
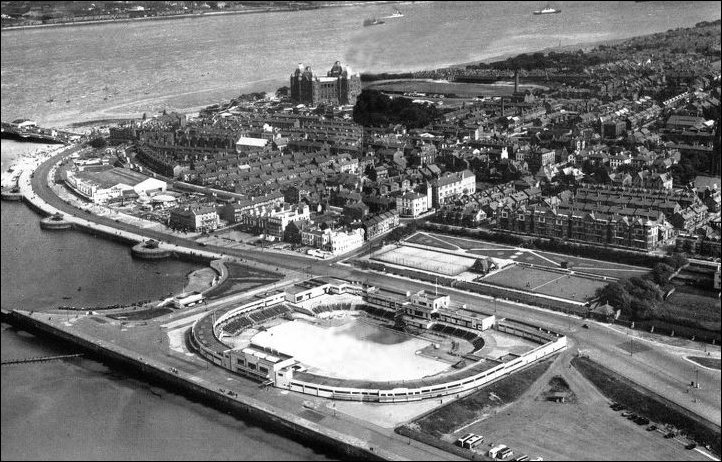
x: 290, y: 424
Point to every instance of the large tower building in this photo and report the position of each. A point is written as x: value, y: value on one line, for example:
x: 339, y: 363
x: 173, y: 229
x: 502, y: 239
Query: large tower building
x: 339, y: 86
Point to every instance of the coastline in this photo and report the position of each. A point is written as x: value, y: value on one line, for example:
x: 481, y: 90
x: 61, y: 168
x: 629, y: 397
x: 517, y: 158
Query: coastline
x: 105, y: 116
x: 191, y: 15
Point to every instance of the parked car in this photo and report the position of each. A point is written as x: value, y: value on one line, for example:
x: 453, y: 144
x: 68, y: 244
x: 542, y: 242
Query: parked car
x: 670, y: 435
x: 691, y: 446
x: 651, y: 428
x: 585, y: 326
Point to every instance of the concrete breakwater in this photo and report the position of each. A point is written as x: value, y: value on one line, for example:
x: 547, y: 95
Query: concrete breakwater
x: 288, y: 424
x: 10, y: 195
x: 55, y: 222
x: 148, y: 252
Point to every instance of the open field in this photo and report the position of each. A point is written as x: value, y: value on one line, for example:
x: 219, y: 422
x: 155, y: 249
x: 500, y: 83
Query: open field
x: 242, y: 278
x: 648, y: 404
x: 351, y: 350
x: 688, y: 304
x: 581, y: 428
x: 442, y: 87
x: 545, y: 282
x: 447, y: 419
x: 426, y: 260
x: 535, y: 257
x: 143, y: 315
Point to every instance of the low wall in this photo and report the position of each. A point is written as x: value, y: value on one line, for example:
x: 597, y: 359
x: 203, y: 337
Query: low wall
x: 400, y: 394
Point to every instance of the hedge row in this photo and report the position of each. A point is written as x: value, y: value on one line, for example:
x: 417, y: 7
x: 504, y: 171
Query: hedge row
x: 521, y: 297
x: 681, y: 328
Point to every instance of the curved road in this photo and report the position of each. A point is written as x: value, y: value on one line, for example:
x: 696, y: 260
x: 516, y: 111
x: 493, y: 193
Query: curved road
x: 659, y: 367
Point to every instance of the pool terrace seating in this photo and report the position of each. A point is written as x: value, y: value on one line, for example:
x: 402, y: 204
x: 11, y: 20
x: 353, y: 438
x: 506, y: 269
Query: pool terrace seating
x: 328, y: 308
x: 473, y: 338
x: 378, y: 312
x: 239, y: 323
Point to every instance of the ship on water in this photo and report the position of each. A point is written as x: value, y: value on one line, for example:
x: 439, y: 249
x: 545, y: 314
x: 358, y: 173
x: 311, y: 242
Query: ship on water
x: 373, y: 22
x: 547, y: 10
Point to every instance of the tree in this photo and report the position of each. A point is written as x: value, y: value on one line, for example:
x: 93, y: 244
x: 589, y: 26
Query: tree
x: 661, y: 273
x: 292, y: 233
x: 98, y: 142
x: 370, y: 172
x: 642, y: 309
x: 375, y: 109
x: 676, y: 260
x: 283, y: 92
x: 643, y: 289
x: 616, y: 295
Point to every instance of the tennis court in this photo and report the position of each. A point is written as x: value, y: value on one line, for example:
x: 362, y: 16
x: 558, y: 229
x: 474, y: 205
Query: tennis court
x: 426, y: 260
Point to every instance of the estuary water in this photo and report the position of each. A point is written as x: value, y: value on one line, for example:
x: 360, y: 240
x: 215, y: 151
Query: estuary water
x: 58, y: 75
x: 80, y: 408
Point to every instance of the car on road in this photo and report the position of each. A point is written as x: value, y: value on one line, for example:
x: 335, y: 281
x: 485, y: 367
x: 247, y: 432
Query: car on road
x: 651, y: 428
x: 585, y: 326
x: 626, y: 414
x: 691, y: 446
x: 670, y: 435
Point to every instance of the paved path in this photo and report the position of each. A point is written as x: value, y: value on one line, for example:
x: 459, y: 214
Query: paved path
x: 657, y: 368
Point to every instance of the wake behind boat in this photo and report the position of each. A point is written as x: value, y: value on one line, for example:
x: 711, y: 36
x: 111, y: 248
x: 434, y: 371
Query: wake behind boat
x: 373, y: 22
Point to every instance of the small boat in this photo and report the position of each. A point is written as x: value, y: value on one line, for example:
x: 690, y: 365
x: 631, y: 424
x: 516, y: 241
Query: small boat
x: 397, y: 14
x: 67, y: 100
x: 79, y: 288
x: 373, y: 22
x: 50, y: 100
x: 67, y: 298
x: 547, y: 10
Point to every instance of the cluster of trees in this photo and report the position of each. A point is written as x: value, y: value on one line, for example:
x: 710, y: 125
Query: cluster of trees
x: 375, y: 109
x: 98, y: 142
x: 575, y: 61
x: 401, y: 232
x: 386, y: 76
x: 639, y: 297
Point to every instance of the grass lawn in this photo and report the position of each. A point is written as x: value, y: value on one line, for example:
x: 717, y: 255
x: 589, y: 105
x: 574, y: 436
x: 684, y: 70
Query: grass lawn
x: 686, y: 304
x: 458, y: 413
x: 541, y: 258
x: 545, y: 282
x: 646, y: 403
x: 714, y: 363
x: 423, y: 239
x: 517, y: 277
